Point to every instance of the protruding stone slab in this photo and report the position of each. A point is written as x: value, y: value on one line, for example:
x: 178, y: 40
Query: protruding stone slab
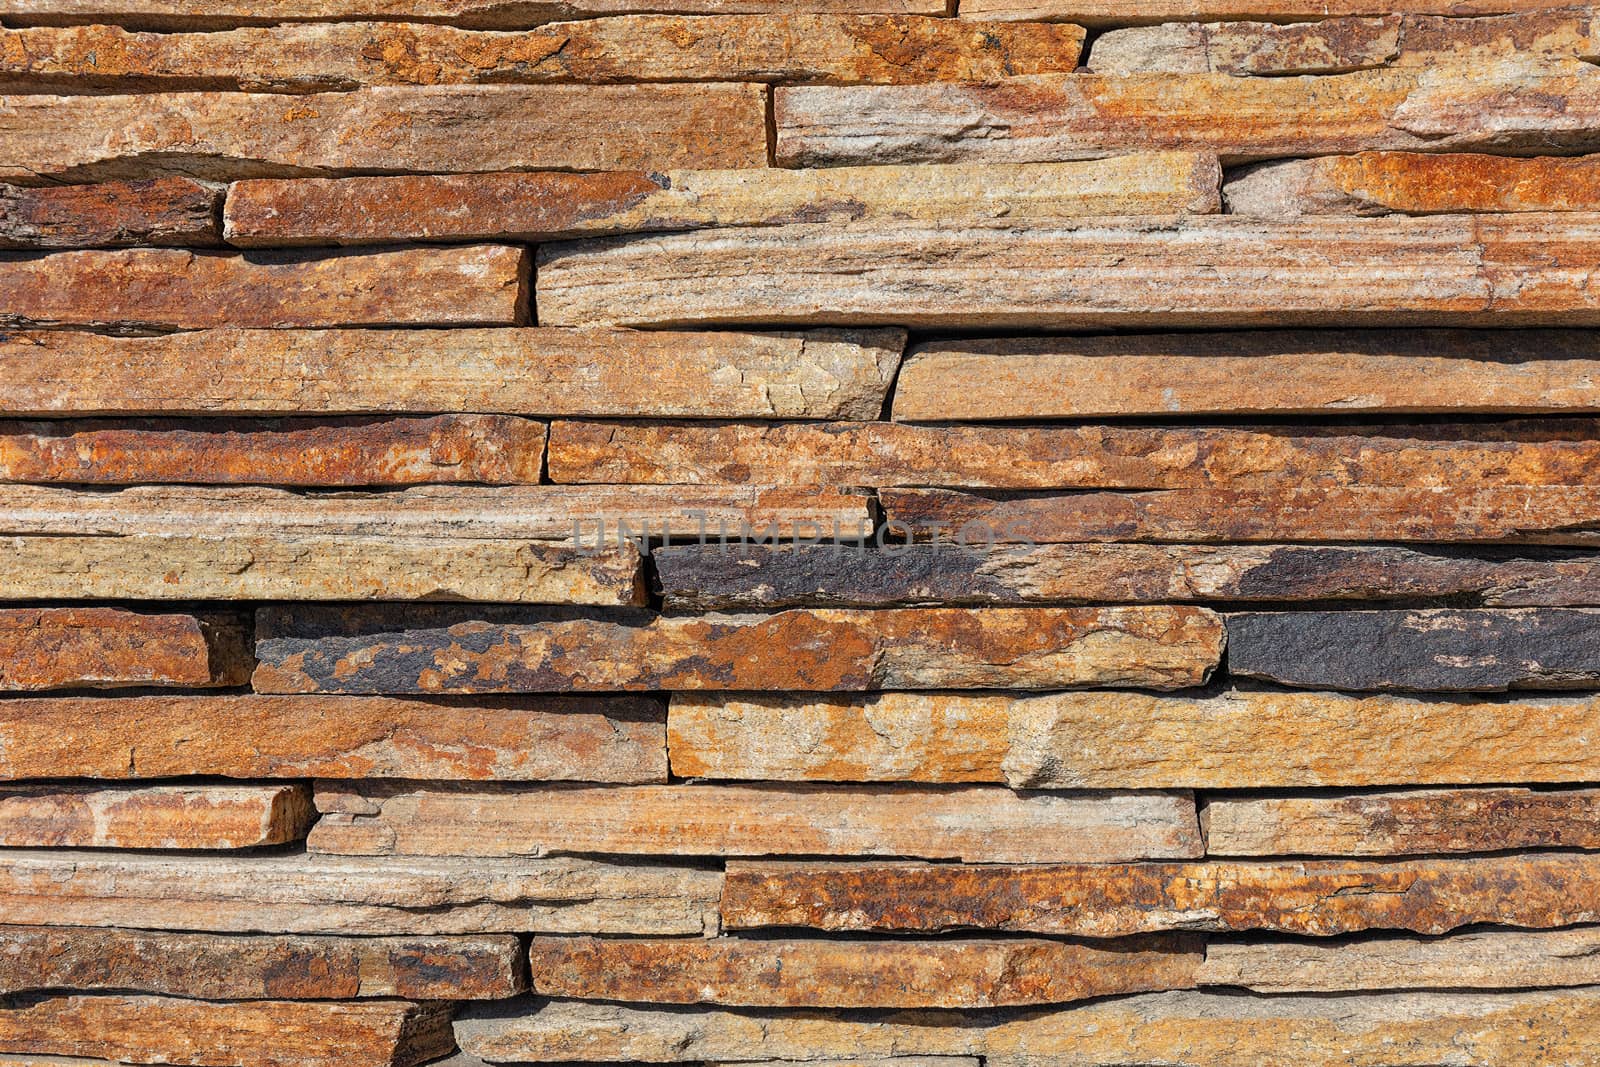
x: 546, y: 205
x: 1104, y: 12
x: 793, y: 973
x: 500, y: 650
x: 1106, y: 740
x: 300, y: 894
x: 557, y: 738
x: 1439, y: 649
x: 973, y: 825
x: 109, y: 648
x: 839, y: 374
x: 163, y: 816
x: 1314, y: 897
x: 166, y: 211
x: 385, y: 130
x: 169, y: 288
x: 227, y: 967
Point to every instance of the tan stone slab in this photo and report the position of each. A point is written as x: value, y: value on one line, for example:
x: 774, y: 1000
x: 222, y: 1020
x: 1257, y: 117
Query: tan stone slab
x: 546, y: 205
x: 166, y: 211
x: 109, y: 648
x: 387, y: 129
x: 163, y: 816
x: 841, y: 374
x: 560, y: 738
x: 229, y: 967
x: 1106, y: 740
x: 793, y: 973
x: 973, y: 825
x: 1290, y: 373
x: 301, y: 894
x: 1117, y: 12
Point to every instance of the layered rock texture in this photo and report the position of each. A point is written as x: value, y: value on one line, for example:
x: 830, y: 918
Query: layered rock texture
x: 822, y: 533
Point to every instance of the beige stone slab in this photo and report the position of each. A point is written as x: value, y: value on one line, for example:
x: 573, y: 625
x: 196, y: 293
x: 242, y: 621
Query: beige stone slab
x: 155, y: 817
x: 1117, y: 12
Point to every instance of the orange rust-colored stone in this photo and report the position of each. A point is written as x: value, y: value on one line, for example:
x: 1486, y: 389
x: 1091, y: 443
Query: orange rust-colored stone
x: 162, y: 816
x: 166, y: 211
x: 108, y: 648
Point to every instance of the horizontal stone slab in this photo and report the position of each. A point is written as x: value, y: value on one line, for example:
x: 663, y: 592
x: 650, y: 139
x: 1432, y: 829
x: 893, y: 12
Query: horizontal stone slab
x: 109, y: 648
x: 299, y: 894
x: 1404, y: 822
x: 383, y: 130
x: 1209, y: 271
x: 494, y: 449
x: 558, y: 738
x: 841, y: 374
x: 1104, y: 12
x: 314, y: 57
x: 546, y: 205
x: 163, y: 816
x: 500, y: 650
x: 229, y: 967
x: 1481, y: 959
x: 169, y: 288
x: 1290, y: 373
x: 1106, y: 740
x: 765, y: 577
x: 792, y: 973
x: 166, y: 211
x: 262, y: 1033
x: 974, y: 825
x: 1320, y: 898
x: 1194, y: 1029
x: 1518, y: 104
x: 1440, y: 649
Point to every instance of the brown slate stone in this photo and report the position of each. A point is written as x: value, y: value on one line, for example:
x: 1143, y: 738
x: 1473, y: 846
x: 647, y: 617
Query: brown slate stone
x: 838, y: 374
x: 1405, y: 822
x: 166, y: 211
x: 1117, y: 12
x: 225, y: 967
x: 388, y: 129
x: 299, y: 894
x: 1313, y: 897
x: 793, y: 973
x: 558, y: 738
x: 439, y: 649
x: 262, y: 1033
x: 169, y: 288
x: 1108, y: 740
x: 546, y: 205
x: 1290, y: 372
x: 163, y: 816
x: 108, y: 648
x: 493, y: 449
x: 973, y: 825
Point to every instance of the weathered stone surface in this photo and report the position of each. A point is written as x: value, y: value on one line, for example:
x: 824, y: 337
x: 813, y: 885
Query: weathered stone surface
x: 975, y: 825
x: 857, y: 974
x: 321, y: 57
x: 610, y: 739
x: 439, y: 649
x: 1412, y: 821
x: 388, y: 129
x: 1187, y: 1028
x: 108, y: 648
x: 1382, y: 183
x: 162, y: 816
x: 1105, y: 740
x: 164, y: 288
x: 1194, y: 271
x: 545, y: 205
x: 1290, y: 372
x: 166, y: 211
x: 1437, y: 649
x: 1531, y: 105
x: 839, y: 374
x: 765, y: 577
x: 497, y: 449
x: 1483, y: 959
x: 1314, y: 897
x: 261, y: 1033
x: 300, y: 894
x: 1117, y: 12
x: 226, y: 967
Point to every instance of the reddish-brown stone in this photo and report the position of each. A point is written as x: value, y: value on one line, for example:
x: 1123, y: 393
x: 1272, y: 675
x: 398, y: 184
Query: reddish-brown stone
x: 165, y: 211
x: 108, y: 648
x: 161, y: 816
